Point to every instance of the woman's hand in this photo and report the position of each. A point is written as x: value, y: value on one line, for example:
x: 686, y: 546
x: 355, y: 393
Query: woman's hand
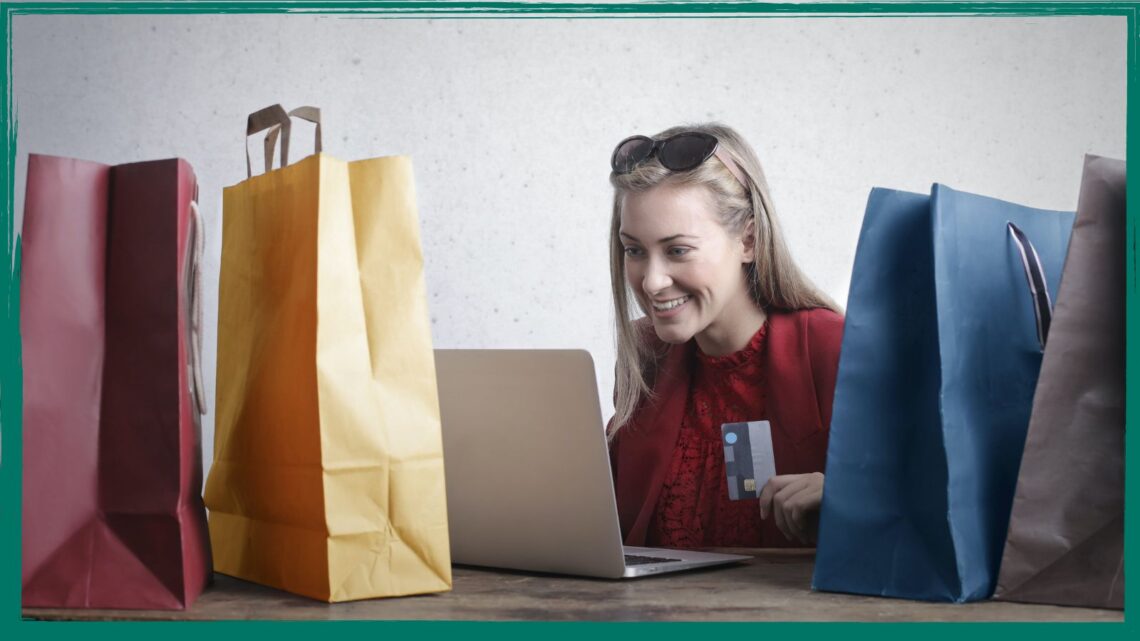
x: 793, y: 500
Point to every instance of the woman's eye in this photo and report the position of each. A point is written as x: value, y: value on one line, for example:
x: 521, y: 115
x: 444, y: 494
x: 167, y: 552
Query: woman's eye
x: 633, y: 252
x: 678, y: 251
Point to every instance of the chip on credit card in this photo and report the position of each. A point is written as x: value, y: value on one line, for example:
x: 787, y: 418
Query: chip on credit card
x: 748, y: 458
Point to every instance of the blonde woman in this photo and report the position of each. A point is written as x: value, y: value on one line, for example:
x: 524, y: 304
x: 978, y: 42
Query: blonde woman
x: 732, y: 332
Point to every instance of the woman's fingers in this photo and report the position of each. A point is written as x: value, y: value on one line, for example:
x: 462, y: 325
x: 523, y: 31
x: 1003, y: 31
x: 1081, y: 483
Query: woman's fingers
x: 781, y: 521
x: 768, y: 492
x: 785, y: 506
x: 792, y: 500
x: 799, y: 508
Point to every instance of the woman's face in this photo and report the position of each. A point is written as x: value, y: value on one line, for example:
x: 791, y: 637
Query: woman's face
x: 682, y: 264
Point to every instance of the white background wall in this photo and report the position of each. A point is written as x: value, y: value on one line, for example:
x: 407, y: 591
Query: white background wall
x: 511, y: 123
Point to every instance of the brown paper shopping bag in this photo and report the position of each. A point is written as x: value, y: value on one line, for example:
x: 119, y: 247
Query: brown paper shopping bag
x: 1066, y: 533
x: 327, y: 478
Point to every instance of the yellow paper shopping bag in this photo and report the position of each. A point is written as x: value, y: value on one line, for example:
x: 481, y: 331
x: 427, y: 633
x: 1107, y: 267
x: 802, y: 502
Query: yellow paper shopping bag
x: 327, y: 478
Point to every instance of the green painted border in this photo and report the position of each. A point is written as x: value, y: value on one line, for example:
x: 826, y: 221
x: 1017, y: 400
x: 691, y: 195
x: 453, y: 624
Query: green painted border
x: 11, y: 375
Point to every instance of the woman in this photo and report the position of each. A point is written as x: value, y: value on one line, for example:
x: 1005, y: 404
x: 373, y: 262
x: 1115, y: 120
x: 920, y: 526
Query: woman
x: 733, y: 332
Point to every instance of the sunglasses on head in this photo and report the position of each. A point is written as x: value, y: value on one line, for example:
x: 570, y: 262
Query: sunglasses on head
x: 679, y: 152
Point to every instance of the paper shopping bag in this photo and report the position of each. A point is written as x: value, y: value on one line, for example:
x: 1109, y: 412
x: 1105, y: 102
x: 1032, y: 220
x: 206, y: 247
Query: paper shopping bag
x: 948, y: 311
x: 109, y: 320
x: 1066, y: 534
x: 327, y: 478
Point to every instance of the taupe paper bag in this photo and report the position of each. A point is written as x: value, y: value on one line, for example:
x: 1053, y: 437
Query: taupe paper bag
x: 1066, y: 532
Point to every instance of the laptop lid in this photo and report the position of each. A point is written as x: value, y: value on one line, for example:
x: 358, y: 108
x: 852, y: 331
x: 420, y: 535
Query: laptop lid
x: 526, y: 462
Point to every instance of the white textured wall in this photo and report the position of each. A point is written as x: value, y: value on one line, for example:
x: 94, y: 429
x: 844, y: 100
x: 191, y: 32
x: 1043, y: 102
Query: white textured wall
x: 511, y: 123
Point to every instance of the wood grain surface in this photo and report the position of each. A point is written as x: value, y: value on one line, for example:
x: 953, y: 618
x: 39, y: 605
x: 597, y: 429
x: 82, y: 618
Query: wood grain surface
x: 774, y: 586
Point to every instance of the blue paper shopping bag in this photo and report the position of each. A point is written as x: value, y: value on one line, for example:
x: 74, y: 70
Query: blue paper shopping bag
x: 947, y: 316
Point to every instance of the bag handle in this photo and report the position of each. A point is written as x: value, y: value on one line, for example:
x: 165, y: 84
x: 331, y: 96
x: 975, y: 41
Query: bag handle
x: 311, y: 114
x: 271, y: 116
x: 197, y: 249
x: 1035, y: 277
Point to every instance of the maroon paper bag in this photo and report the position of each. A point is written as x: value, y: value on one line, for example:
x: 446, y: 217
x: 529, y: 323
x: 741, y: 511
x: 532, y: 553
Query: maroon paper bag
x: 112, y: 508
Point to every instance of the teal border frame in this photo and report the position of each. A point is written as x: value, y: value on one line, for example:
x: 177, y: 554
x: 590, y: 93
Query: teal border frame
x: 11, y: 373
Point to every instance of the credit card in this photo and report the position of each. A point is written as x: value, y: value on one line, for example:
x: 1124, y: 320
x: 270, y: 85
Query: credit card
x: 748, y: 458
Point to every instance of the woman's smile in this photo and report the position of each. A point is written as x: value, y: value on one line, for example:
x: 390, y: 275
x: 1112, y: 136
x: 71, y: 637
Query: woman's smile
x: 669, y: 308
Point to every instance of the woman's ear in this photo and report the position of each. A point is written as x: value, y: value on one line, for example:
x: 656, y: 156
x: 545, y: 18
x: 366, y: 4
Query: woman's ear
x: 748, y: 242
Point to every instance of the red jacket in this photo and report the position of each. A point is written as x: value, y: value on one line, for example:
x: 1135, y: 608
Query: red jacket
x: 801, y: 359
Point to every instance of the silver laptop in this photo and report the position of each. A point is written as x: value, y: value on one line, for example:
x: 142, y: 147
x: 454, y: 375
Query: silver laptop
x: 528, y: 470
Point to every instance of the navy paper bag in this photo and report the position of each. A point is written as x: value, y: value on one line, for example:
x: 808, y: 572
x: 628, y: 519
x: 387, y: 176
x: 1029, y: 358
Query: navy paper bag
x: 941, y: 350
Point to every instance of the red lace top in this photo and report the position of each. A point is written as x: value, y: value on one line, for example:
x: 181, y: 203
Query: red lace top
x: 694, y: 510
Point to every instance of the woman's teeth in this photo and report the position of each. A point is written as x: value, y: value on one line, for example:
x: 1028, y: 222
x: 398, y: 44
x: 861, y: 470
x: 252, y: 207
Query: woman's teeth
x: 668, y: 305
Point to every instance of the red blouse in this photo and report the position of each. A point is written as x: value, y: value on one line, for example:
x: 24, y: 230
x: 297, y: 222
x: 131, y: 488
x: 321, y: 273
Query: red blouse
x: 796, y: 361
x: 693, y: 509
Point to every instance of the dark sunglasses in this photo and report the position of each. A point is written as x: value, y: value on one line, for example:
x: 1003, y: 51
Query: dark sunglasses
x: 679, y: 152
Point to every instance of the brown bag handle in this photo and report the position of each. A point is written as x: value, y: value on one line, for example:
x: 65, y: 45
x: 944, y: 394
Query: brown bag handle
x: 274, y: 117
x: 312, y: 114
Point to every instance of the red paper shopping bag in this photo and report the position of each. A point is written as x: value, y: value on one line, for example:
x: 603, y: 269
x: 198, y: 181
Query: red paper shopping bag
x: 112, y: 508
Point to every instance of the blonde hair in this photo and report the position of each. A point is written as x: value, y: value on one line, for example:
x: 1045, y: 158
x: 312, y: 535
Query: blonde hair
x: 774, y: 281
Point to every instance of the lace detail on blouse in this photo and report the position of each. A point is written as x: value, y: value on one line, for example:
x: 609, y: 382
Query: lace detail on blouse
x: 693, y: 509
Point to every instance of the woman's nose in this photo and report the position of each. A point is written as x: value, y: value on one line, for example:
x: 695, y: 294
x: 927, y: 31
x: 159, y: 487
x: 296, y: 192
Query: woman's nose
x: 657, y: 277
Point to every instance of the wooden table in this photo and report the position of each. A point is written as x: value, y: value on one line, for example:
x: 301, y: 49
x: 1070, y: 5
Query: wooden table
x: 774, y: 586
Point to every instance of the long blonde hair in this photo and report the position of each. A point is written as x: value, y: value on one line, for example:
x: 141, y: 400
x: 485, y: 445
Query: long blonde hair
x: 774, y: 280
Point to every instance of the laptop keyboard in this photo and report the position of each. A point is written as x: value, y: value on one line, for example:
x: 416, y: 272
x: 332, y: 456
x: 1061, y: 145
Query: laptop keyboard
x: 634, y: 559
